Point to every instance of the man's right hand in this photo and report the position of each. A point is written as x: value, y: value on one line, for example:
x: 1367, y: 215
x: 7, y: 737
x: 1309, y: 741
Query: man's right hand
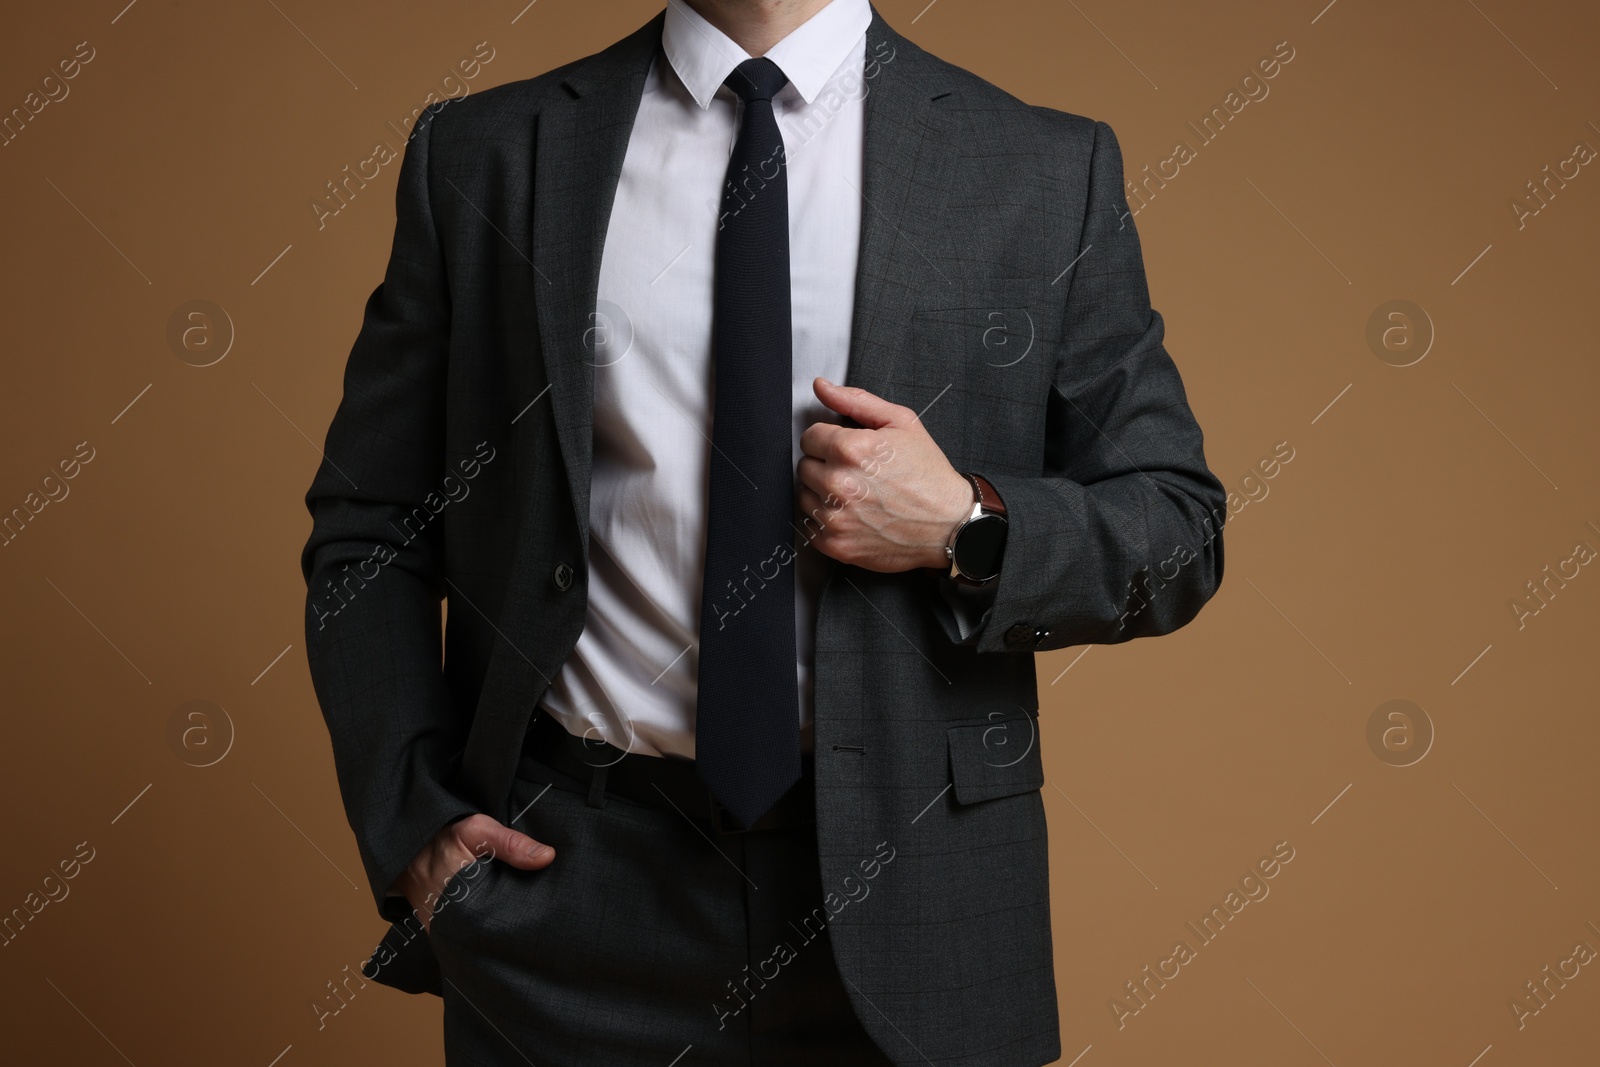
x: 474, y: 839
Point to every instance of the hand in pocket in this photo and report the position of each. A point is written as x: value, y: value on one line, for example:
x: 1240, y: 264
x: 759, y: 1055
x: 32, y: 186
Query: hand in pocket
x: 476, y: 839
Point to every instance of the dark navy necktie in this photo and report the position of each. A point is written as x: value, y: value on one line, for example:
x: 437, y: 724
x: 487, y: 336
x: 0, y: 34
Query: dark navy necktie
x: 747, y: 726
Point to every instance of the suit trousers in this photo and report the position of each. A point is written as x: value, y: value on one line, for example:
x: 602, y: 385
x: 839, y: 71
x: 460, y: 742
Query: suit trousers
x: 651, y: 939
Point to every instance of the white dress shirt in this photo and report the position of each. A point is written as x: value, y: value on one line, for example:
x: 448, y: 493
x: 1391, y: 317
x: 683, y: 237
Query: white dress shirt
x: 631, y: 678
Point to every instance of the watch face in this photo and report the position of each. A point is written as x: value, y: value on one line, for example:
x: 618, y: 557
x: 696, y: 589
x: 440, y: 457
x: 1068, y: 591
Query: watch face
x: 979, y: 545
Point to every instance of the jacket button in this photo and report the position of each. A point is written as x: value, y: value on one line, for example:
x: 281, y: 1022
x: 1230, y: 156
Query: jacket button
x: 563, y: 577
x: 1020, y: 634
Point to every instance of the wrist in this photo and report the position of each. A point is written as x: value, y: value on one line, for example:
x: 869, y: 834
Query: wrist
x: 976, y: 546
x: 958, y: 508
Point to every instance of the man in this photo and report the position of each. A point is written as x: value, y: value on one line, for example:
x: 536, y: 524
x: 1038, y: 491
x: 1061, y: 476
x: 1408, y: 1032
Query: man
x: 731, y: 756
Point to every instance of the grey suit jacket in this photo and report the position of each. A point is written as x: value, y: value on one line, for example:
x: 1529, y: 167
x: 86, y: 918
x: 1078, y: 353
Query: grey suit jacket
x: 1001, y: 292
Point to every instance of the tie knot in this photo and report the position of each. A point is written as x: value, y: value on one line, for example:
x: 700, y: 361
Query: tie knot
x: 756, y: 79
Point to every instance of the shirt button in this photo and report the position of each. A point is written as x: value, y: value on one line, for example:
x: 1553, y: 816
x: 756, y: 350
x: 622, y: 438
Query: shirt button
x: 1020, y: 634
x: 563, y: 577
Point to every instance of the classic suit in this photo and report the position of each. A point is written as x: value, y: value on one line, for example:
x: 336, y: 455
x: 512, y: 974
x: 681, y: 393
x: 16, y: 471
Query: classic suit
x: 1001, y: 293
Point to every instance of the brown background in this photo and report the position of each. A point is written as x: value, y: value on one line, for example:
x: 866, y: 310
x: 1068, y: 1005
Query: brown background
x: 1380, y: 565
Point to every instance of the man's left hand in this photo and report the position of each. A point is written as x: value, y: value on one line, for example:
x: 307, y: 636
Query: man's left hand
x: 883, y: 497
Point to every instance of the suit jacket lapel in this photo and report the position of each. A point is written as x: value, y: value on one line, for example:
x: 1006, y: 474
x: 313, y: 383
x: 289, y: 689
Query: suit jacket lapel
x: 577, y: 161
x: 578, y: 148
x: 905, y: 168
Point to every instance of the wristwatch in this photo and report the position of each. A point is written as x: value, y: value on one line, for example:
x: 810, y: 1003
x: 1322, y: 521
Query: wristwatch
x: 978, y: 542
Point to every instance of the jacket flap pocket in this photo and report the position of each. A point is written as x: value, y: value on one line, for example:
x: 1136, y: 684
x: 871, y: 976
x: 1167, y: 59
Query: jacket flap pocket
x: 995, y: 759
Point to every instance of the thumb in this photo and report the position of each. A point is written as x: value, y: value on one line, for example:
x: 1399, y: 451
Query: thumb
x: 869, y: 410
x: 490, y: 837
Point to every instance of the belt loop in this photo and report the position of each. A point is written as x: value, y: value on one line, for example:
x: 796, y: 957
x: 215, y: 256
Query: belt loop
x: 597, y: 787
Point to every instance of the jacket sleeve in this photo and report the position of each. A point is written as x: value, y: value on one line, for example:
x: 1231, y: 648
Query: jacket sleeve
x: 373, y: 563
x: 1121, y: 535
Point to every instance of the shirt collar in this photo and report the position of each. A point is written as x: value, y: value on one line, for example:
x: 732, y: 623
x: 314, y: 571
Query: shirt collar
x: 704, y: 56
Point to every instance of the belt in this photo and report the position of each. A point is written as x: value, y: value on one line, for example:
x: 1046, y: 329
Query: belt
x: 597, y: 769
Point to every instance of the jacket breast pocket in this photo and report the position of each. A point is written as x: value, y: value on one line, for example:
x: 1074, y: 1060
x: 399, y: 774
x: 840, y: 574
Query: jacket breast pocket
x: 993, y: 759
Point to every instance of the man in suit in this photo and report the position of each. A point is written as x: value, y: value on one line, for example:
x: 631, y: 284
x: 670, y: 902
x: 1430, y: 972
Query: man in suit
x: 731, y: 752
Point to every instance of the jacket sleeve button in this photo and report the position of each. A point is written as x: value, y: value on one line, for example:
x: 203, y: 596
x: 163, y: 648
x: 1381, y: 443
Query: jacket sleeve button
x: 1020, y: 634
x: 563, y: 577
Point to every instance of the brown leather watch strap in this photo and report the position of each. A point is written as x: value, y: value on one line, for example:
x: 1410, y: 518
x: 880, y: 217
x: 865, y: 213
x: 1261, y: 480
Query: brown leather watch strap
x: 987, y: 497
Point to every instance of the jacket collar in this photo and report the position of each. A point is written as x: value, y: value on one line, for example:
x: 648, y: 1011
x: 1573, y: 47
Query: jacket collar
x: 703, y: 56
